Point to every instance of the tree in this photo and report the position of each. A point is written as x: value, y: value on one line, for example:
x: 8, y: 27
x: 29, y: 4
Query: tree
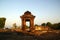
x: 36, y: 24
x: 56, y: 26
x: 2, y: 22
x: 59, y: 25
x: 49, y: 24
x: 43, y: 24
x: 14, y: 25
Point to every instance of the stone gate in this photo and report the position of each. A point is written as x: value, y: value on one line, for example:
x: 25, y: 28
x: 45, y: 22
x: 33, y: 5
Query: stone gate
x: 27, y: 17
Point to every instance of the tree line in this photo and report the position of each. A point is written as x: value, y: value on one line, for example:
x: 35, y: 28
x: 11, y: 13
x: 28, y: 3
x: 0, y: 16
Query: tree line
x: 53, y: 26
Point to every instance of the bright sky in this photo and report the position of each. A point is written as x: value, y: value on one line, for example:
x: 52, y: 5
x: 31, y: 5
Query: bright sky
x: 44, y: 10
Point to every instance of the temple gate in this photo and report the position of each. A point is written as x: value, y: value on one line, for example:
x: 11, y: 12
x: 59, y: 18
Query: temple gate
x: 27, y: 17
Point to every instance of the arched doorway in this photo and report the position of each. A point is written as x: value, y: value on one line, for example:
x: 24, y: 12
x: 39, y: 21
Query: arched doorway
x: 27, y: 17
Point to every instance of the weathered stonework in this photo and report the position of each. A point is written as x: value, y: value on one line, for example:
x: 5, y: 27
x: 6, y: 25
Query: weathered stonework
x: 27, y: 17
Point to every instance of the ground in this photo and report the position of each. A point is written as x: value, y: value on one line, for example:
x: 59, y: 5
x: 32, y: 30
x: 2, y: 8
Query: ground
x: 29, y: 36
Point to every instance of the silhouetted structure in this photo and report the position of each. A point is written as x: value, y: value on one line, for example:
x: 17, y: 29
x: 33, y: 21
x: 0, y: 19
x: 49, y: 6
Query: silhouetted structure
x: 27, y: 17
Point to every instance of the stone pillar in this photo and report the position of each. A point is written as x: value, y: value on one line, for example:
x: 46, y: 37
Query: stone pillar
x: 23, y: 24
x: 31, y: 25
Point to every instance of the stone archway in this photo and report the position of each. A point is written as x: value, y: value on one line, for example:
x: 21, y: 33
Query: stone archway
x: 27, y: 17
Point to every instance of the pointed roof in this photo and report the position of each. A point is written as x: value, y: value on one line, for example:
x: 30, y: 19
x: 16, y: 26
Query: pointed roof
x: 27, y: 13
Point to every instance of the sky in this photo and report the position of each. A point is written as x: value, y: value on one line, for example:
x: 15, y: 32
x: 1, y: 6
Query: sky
x: 44, y: 10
